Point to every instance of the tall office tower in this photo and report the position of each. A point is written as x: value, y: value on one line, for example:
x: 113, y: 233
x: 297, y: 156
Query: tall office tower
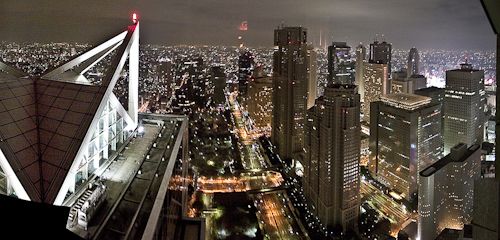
x: 446, y: 189
x: 401, y: 82
x: 413, y: 62
x: 340, y: 65
x: 164, y: 78
x: 360, y: 60
x: 291, y: 90
x: 218, y: 78
x: 260, y: 104
x: 312, y: 87
x: 376, y: 84
x: 245, y: 70
x: 463, y: 106
x: 164, y: 72
x: 405, y: 137
x: 380, y: 52
x: 331, y: 160
x: 191, y: 85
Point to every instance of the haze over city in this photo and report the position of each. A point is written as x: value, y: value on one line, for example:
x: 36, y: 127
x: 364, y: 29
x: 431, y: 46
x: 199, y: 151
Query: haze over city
x: 436, y: 24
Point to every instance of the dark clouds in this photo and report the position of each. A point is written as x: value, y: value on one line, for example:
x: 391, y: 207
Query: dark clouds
x: 405, y: 23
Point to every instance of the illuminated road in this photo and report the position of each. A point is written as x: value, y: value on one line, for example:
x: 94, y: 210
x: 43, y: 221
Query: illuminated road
x: 275, y: 217
x: 274, y: 211
x: 386, y: 206
x: 244, y: 183
x: 264, y: 181
x: 252, y: 157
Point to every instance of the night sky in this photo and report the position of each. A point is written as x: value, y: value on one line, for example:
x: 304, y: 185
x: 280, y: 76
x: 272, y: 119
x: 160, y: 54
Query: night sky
x: 443, y: 24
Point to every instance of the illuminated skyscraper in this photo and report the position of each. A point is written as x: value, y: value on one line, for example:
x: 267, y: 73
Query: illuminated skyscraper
x: 331, y: 162
x: 360, y: 60
x: 191, y: 89
x: 446, y: 191
x: 164, y: 76
x: 218, y: 78
x: 260, y: 104
x: 376, y: 84
x: 413, y: 62
x: 464, y: 107
x: 292, y: 89
x: 380, y: 52
x: 245, y: 70
x: 405, y: 137
x: 340, y: 65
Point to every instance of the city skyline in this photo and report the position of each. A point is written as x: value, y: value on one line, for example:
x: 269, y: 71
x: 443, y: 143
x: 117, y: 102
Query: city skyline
x: 314, y: 137
x: 216, y: 22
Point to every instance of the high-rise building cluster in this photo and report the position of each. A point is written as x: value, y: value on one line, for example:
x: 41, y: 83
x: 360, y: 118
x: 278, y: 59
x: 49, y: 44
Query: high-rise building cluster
x: 410, y: 127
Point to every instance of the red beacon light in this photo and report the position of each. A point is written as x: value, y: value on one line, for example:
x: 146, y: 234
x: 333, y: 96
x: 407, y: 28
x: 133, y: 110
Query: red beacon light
x: 134, y: 18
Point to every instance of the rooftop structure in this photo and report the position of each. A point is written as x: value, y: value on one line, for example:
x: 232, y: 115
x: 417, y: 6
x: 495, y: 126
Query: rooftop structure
x: 464, y: 155
x: 405, y: 101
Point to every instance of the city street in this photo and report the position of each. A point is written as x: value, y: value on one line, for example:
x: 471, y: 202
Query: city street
x: 276, y: 219
x: 274, y: 213
x: 396, y: 213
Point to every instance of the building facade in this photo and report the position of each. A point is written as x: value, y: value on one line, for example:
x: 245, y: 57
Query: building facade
x: 446, y: 191
x: 405, y: 137
x: 292, y: 89
x: 331, y: 163
x: 464, y: 107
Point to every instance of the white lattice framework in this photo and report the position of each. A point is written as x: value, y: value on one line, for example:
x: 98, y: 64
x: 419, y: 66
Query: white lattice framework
x: 45, y: 170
